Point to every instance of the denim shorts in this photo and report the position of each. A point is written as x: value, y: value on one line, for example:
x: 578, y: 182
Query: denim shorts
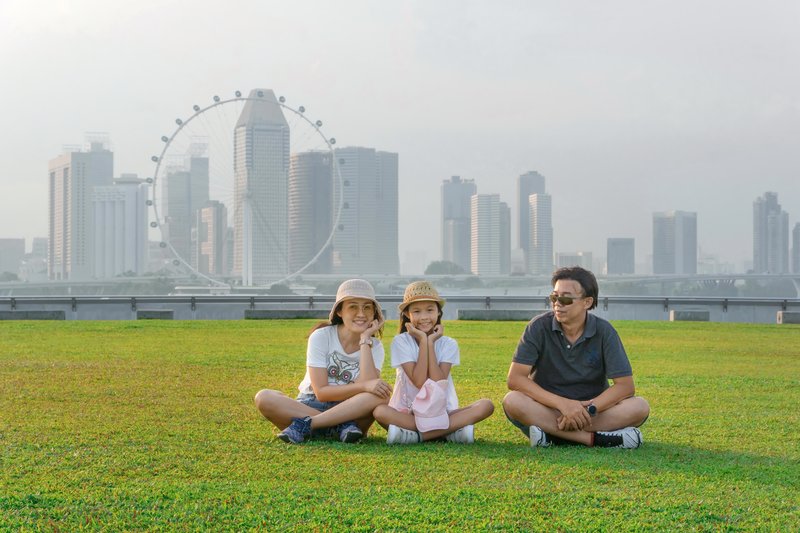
x: 311, y: 401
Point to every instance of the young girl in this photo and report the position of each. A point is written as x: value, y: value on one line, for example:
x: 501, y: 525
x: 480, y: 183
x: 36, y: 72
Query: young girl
x: 424, y: 404
x: 342, y: 385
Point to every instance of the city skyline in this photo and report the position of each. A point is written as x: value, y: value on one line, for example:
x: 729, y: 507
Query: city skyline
x: 625, y: 118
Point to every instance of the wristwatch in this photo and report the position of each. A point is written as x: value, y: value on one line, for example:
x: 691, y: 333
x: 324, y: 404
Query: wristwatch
x: 362, y: 342
x: 591, y: 409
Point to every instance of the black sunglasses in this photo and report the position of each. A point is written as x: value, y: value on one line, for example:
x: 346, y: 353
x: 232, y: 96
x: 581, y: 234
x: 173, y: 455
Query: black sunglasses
x: 564, y: 300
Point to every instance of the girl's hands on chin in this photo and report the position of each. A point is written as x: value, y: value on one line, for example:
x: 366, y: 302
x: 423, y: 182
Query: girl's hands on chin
x: 414, y: 332
x: 436, y: 333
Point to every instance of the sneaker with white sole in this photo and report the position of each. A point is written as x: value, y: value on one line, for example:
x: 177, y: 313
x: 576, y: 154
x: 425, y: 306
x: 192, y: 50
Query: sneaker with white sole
x: 465, y: 435
x: 297, y: 432
x: 349, y: 432
x: 398, y: 435
x: 629, y: 437
x: 538, y: 437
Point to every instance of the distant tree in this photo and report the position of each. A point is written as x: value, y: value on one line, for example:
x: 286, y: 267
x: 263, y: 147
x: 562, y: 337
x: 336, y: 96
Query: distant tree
x: 9, y: 276
x: 444, y: 267
x: 279, y: 289
x: 473, y: 282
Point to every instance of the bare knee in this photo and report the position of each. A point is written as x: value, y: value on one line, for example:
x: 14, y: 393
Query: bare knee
x: 513, y: 403
x: 485, y: 408
x: 265, y: 399
x: 381, y: 412
x: 641, y: 408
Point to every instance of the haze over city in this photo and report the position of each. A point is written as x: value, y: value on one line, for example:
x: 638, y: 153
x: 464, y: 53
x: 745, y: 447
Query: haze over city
x: 626, y: 108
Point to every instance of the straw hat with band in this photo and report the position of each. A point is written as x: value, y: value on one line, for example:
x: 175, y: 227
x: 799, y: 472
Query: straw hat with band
x: 355, y: 288
x: 420, y: 291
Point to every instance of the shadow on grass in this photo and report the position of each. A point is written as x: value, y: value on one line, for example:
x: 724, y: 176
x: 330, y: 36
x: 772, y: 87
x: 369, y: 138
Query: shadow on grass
x: 653, y: 458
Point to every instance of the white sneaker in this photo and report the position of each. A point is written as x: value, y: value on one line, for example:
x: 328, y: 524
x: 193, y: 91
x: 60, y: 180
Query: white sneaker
x: 465, y: 435
x: 629, y: 437
x: 538, y: 438
x: 398, y: 435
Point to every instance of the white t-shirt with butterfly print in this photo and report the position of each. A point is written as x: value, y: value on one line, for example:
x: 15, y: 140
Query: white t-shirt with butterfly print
x: 325, y: 351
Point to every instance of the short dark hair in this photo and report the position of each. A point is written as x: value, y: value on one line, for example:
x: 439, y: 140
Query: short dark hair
x: 584, y: 277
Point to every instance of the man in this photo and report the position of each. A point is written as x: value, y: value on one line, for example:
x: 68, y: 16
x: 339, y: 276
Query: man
x: 560, y: 371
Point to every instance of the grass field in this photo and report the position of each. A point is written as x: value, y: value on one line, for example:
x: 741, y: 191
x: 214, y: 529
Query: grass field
x: 150, y: 426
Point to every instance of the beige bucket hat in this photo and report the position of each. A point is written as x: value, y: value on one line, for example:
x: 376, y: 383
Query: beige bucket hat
x: 355, y: 288
x: 420, y: 291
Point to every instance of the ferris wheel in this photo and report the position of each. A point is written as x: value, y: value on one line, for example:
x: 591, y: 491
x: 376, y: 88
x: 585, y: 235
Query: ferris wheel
x: 246, y: 191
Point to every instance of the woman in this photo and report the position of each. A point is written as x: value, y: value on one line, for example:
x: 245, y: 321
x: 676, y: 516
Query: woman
x: 342, y: 385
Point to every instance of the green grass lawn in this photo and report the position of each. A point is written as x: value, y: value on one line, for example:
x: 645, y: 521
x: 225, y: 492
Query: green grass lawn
x: 150, y: 426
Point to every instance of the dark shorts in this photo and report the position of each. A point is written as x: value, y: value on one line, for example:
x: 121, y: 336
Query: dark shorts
x: 526, y: 430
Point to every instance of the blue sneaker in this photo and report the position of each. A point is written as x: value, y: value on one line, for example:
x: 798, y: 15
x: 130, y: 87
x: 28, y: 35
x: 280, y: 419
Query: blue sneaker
x: 349, y: 432
x: 298, y: 430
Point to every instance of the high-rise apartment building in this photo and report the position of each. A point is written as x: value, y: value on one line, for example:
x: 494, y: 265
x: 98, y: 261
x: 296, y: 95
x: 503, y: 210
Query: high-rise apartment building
x: 261, y: 180
x: 770, y: 236
x: 540, y: 247
x: 387, y: 225
x: 72, y: 176
x: 34, y: 265
x: 675, y: 242
x: 456, y: 221
x: 310, y: 211
x: 365, y: 241
x: 39, y: 247
x: 210, y: 255
x: 620, y: 256
x: 527, y: 184
x: 505, y: 238
x: 12, y: 251
x: 185, y: 190
x: 796, y: 249
x: 120, y: 227
x: 485, y: 234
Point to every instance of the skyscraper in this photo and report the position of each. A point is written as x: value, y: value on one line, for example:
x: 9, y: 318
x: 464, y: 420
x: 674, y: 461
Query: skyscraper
x: 675, y: 242
x: 12, y: 251
x: 796, y: 249
x: 527, y: 184
x: 210, y: 255
x: 540, y: 254
x: 485, y: 234
x: 71, y: 179
x: 310, y: 211
x: 387, y: 259
x: 505, y: 238
x: 261, y: 179
x: 365, y: 241
x: 770, y: 236
x: 120, y: 227
x: 456, y: 225
x: 620, y: 256
x: 185, y: 190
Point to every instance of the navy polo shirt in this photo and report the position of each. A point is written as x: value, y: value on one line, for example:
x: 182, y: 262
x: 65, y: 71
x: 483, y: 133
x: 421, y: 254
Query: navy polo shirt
x: 577, y: 371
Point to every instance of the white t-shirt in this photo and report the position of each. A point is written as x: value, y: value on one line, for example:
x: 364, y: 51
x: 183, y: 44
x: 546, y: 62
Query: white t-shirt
x: 325, y: 351
x: 406, y: 350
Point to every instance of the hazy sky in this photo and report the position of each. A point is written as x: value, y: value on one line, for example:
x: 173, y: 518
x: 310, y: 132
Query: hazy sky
x: 626, y: 107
